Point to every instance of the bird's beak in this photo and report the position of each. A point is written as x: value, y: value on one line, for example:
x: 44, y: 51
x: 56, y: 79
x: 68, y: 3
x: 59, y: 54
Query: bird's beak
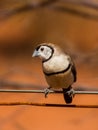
x: 35, y: 53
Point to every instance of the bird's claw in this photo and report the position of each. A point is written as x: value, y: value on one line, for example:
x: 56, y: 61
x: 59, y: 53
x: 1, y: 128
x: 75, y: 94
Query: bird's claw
x: 68, y: 94
x: 71, y: 92
x: 46, y: 91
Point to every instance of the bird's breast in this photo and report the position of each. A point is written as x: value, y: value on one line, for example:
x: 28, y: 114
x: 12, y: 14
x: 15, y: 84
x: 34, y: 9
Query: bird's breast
x: 58, y: 72
x: 62, y: 80
x: 55, y: 64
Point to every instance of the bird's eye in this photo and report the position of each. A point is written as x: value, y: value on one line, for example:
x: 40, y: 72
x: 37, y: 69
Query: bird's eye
x: 42, y: 49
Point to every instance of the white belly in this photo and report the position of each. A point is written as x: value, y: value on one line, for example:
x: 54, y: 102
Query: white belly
x: 63, y: 80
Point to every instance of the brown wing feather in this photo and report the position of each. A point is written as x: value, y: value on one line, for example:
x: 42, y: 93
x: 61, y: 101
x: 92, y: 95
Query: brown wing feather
x: 73, y: 69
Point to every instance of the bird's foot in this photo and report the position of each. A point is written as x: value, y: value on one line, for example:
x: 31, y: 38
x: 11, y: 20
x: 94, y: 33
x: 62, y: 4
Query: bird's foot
x: 68, y: 94
x: 71, y: 92
x: 46, y: 91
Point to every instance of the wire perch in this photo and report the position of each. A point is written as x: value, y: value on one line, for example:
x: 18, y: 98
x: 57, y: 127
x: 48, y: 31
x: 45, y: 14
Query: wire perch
x: 42, y: 91
x: 46, y: 104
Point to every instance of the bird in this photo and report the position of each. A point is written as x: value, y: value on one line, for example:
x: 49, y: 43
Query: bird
x: 58, y: 68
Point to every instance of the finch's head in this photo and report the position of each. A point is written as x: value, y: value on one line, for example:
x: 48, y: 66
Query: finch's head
x: 44, y: 51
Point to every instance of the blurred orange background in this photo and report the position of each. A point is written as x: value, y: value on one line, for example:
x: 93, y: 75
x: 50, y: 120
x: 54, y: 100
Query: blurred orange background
x: 73, y: 25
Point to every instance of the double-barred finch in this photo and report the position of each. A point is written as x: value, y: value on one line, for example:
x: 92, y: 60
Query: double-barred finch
x: 58, y: 68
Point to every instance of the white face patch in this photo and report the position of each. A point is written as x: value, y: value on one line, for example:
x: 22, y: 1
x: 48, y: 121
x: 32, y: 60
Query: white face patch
x: 45, y: 52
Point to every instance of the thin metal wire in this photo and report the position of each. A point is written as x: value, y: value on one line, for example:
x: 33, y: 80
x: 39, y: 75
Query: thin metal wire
x: 86, y: 92
x: 46, y: 104
x: 43, y: 91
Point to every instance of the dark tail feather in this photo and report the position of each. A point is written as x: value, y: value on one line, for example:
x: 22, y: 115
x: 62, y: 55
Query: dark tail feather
x: 68, y: 96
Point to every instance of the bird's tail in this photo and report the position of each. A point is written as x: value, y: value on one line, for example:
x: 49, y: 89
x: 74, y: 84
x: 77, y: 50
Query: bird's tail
x: 68, y: 94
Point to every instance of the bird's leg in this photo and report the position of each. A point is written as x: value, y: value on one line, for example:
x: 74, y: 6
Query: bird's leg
x: 71, y: 92
x: 46, y: 91
x: 68, y: 94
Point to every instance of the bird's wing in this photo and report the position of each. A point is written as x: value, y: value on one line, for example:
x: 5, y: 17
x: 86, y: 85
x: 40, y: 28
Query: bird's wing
x: 73, y: 69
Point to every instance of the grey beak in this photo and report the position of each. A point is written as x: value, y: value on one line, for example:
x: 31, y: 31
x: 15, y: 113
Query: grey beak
x: 35, y: 53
